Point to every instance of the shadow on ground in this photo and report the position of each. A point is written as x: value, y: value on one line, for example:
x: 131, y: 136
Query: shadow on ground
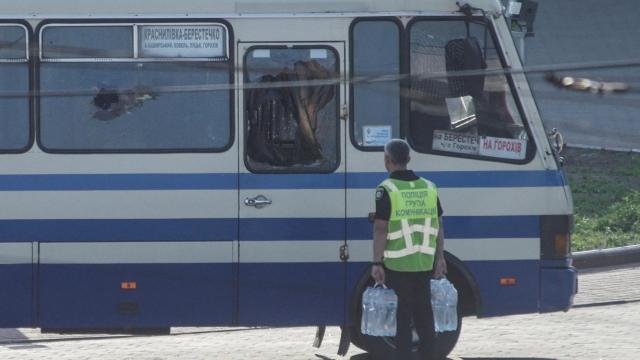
x: 15, y: 339
x: 505, y: 358
x: 366, y: 357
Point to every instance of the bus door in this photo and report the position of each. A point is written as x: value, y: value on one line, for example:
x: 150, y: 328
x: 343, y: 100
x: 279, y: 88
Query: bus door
x: 292, y: 183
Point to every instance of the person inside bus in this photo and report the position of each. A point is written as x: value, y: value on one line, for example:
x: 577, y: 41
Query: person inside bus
x: 408, y: 211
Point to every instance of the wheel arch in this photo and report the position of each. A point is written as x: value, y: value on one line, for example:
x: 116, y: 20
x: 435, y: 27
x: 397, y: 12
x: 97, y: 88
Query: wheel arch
x: 468, y: 291
x: 457, y: 273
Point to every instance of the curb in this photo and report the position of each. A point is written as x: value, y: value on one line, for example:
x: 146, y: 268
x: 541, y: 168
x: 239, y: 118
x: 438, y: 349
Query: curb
x: 607, y: 257
x: 602, y: 148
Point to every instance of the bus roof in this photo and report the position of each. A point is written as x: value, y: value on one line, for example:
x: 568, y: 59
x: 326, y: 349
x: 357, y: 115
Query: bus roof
x: 100, y: 8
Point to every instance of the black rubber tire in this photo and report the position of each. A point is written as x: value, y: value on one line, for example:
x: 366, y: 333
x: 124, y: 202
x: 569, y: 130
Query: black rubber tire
x: 382, y: 347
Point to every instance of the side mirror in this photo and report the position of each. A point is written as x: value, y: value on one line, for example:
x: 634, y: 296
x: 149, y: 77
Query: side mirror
x: 522, y: 14
x: 557, y: 145
x: 557, y: 141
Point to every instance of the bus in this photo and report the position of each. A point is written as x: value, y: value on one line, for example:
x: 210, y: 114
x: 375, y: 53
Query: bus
x: 214, y: 163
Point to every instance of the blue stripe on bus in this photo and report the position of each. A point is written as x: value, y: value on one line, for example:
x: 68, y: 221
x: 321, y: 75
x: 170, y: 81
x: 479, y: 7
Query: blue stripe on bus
x: 118, y: 182
x: 469, y: 179
x: 269, y: 229
x: 230, y: 181
x: 465, y: 227
x: 65, y: 230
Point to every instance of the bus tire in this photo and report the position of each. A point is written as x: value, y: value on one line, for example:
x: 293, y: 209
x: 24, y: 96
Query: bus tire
x: 382, y: 347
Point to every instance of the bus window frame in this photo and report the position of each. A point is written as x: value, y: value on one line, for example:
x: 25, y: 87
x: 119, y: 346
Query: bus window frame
x: 531, y: 142
x: 29, y: 61
x: 292, y: 45
x: 229, y: 60
x: 402, y: 69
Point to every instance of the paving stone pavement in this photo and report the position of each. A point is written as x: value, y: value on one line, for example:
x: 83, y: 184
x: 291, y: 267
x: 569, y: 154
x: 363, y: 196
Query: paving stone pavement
x: 603, y: 325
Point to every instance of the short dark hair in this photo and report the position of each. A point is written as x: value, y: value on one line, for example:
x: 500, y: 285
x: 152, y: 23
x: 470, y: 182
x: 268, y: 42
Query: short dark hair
x: 398, y: 151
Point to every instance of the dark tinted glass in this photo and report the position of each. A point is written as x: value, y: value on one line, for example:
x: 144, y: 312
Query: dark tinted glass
x: 87, y: 42
x: 376, y: 100
x: 14, y: 106
x: 13, y: 42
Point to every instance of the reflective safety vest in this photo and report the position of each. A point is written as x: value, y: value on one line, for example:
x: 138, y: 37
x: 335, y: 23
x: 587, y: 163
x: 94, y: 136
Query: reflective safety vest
x: 413, y: 225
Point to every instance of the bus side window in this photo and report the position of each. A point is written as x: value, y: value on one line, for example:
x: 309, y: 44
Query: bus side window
x: 138, y: 97
x: 15, y: 133
x: 375, y: 87
x: 291, y: 123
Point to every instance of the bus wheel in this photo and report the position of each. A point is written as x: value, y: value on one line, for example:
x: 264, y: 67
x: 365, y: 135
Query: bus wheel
x: 380, y: 347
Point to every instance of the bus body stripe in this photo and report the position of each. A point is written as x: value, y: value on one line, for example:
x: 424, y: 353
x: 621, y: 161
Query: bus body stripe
x: 118, y: 230
x: 254, y: 229
x: 465, y: 227
x: 213, y: 181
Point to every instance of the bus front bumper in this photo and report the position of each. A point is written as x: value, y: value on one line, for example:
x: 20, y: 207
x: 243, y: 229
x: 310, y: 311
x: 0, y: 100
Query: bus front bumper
x: 558, y: 286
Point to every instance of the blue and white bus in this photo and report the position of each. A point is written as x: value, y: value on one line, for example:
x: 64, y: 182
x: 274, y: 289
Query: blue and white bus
x: 200, y: 163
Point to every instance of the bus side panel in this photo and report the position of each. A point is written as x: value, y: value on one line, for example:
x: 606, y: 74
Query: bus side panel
x: 90, y: 296
x: 293, y: 294
x: 497, y: 299
x: 16, y: 297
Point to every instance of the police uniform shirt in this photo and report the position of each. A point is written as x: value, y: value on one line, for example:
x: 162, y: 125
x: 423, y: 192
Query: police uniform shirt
x: 383, y: 202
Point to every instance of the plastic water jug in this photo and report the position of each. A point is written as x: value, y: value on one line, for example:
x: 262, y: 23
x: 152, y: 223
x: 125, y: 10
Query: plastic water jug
x: 379, y: 307
x: 444, y: 301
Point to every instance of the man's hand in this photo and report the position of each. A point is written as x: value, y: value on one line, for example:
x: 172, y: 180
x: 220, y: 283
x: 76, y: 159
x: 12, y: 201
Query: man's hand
x: 377, y: 273
x: 440, y: 268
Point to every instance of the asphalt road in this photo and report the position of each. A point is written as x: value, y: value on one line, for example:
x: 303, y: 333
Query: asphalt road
x: 599, y: 120
x: 603, y: 325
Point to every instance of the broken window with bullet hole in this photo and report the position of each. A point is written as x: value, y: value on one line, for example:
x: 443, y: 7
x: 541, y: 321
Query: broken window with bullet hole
x: 461, y: 102
x: 15, y: 133
x: 291, y: 109
x: 101, y: 91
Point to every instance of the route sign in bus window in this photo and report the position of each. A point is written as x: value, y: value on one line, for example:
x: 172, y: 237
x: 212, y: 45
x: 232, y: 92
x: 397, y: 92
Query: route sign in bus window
x: 15, y: 130
x: 182, y: 41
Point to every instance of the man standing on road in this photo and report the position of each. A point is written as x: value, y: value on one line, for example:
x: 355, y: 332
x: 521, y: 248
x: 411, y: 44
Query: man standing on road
x: 408, y: 245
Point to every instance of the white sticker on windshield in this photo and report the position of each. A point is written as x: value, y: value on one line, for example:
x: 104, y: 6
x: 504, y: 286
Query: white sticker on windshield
x: 504, y: 148
x: 318, y: 53
x: 261, y: 53
x: 376, y: 135
x: 455, y: 142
